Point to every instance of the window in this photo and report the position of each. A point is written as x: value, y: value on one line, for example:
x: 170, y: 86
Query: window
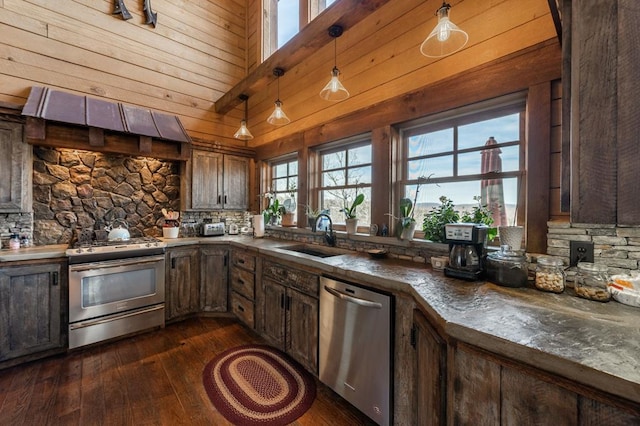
x: 284, y: 181
x: 284, y: 19
x: 345, y: 171
x: 476, y: 155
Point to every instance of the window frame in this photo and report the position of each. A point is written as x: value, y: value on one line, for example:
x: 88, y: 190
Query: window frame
x: 333, y: 147
x: 308, y: 11
x: 269, y: 177
x: 476, y: 112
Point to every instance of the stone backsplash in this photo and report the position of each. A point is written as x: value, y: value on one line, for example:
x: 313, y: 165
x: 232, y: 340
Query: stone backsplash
x: 615, y: 246
x: 77, y: 191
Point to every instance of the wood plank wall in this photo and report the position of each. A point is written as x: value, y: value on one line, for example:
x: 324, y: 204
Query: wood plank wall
x: 196, y: 53
x: 379, y: 58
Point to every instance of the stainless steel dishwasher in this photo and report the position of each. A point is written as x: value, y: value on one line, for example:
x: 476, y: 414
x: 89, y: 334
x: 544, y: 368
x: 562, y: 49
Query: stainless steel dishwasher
x: 355, y: 346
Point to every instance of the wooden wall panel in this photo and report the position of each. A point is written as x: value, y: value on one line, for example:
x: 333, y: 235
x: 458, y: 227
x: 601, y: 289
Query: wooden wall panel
x: 196, y: 53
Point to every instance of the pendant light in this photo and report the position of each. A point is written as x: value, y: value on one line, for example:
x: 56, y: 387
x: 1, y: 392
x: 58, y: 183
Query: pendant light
x: 334, y: 90
x: 446, y: 38
x: 278, y: 117
x: 243, y: 132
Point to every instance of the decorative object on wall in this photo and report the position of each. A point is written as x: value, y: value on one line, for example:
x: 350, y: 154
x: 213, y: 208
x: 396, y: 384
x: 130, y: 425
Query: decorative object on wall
x: 446, y: 38
x: 152, y: 17
x: 278, y: 117
x: 334, y: 90
x: 119, y: 8
x: 243, y: 132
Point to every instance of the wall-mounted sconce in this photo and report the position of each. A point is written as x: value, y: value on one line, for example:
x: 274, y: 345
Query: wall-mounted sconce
x: 243, y: 132
x: 446, y: 38
x: 278, y: 117
x: 334, y: 90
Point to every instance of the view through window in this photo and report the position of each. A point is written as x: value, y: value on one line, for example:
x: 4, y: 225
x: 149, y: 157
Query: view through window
x: 289, y: 14
x: 284, y: 180
x: 345, y: 173
x: 475, y: 159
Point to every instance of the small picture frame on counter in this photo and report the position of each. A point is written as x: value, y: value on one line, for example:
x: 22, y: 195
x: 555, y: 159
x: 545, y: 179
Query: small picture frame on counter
x: 438, y: 263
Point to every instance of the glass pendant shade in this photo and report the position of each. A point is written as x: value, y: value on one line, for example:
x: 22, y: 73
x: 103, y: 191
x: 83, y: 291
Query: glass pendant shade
x: 278, y: 117
x: 446, y: 38
x: 334, y: 90
x: 243, y: 132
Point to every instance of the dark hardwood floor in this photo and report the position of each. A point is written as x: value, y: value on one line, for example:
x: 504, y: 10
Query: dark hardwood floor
x: 149, y: 379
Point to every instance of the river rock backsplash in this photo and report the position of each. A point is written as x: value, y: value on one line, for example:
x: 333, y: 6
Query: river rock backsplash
x: 76, y: 193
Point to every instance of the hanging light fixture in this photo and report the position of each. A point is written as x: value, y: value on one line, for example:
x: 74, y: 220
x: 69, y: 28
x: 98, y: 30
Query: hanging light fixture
x: 243, y: 132
x: 278, y: 117
x: 334, y: 90
x: 446, y: 38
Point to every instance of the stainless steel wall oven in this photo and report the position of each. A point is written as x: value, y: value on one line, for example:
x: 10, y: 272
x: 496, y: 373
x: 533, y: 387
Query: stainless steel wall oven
x: 115, y: 289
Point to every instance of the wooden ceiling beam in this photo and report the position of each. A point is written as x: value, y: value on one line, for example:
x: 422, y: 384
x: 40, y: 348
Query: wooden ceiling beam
x: 346, y: 13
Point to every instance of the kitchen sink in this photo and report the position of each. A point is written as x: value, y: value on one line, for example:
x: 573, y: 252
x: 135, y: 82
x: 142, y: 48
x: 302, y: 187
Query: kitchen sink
x: 315, y: 250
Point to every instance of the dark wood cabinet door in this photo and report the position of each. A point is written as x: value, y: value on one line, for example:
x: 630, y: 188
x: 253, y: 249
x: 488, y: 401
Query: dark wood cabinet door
x: 302, y: 323
x: 236, y: 182
x: 273, y: 323
x: 206, y: 180
x: 182, y: 287
x: 30, y: 309
x: 214, y: 271
x: 430, y: 368
x: 473, y: 388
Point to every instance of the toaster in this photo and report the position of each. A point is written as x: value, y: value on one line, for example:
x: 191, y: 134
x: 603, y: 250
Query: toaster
x: 212, y: 229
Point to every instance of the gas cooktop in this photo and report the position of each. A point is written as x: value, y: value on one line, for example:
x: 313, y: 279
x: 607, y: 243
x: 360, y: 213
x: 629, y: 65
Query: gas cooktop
x: 102, y: 250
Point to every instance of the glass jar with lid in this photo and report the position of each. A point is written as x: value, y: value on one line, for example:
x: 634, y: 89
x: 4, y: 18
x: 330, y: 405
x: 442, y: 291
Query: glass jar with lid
x: 592, y: 282
x: 550, y: 274
x: 508, y: 268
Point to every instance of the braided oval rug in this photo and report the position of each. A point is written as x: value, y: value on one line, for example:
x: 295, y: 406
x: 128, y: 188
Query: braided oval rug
x: 258, y: 385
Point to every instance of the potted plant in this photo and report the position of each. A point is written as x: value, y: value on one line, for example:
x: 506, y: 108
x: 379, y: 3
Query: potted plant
x: 288, y: 207
x: 480, y: 214
x: 273, y: 212
x: 435, y: 220
x: 406, y: 225
x: 351, y: 221
x: 312, y: 216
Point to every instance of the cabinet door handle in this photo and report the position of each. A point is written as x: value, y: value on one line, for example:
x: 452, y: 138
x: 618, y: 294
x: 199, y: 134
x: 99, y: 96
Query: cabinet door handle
x: 54, y: 278
x: 240, y: 281
x: 225, y: 199
x: 240, y: 308
x: 241, y: 261
x: 225, y: 260
x: 282, y: 301
x: 219, y: 198
x: 173, y: 263
x: 288, y: 303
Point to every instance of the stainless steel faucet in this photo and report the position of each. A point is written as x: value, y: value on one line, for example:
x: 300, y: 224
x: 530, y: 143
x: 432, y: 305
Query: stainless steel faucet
x: 329, y: 235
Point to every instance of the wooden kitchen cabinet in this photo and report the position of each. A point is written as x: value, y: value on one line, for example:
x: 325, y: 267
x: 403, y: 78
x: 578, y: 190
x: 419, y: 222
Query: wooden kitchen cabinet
x: 484, y: 389
x: 219, y: 181
x: 16, y: 166
x: 214, y: 270
x: 291, y: 312
x: 33, y: 309
x: 430, y: 373
x: 182, y: 282
x: 242, y: 286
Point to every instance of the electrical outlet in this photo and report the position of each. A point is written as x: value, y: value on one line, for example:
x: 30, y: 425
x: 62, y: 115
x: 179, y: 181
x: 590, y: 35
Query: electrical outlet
x: 580, y: 251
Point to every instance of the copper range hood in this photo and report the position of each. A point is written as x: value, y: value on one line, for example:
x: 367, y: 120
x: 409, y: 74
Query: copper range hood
x: 66, y: 120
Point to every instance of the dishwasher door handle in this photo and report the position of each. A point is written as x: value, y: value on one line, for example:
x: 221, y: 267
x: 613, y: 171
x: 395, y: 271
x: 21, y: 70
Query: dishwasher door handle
x: 352, y: 299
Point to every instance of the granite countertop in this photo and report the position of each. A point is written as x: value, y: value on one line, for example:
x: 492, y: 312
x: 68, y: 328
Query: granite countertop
x: 593, y: 343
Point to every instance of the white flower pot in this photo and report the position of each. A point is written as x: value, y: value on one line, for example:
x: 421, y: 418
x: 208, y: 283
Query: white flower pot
x: 171, y: 232
x: 352, y: 225
x: 407, y: 233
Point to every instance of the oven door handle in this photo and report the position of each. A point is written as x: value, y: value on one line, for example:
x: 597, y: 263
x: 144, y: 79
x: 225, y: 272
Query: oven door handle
x: 86, y: 324
x: 112, y: 263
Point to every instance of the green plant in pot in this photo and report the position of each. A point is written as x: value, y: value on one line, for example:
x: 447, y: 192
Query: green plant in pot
x: 349, y: 211
x: 273, y: 212
x: 406, y: 222
x: 482, y: 215
x: 435, y: 220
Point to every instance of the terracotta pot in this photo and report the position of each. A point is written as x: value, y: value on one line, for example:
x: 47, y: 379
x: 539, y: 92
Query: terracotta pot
x: 288, y: 219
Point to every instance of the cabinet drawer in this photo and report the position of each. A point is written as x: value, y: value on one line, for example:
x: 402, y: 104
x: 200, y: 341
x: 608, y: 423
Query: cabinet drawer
x: 242, y: 308
x: 294, y: 278
x: 243, y: 282
x: 243, y: 260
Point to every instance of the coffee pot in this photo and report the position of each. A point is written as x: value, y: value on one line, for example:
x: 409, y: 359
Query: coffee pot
x: 467, y: 243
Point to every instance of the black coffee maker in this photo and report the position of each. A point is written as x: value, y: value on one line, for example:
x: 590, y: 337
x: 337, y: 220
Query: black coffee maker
x: 467, y: 242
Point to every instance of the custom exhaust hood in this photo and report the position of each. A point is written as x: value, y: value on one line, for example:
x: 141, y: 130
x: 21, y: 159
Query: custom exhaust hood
x: 65, y: 120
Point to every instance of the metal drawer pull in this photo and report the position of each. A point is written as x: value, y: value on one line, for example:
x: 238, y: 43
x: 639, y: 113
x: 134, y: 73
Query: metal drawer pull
x: 240, y: 308
x: 356, y: 300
